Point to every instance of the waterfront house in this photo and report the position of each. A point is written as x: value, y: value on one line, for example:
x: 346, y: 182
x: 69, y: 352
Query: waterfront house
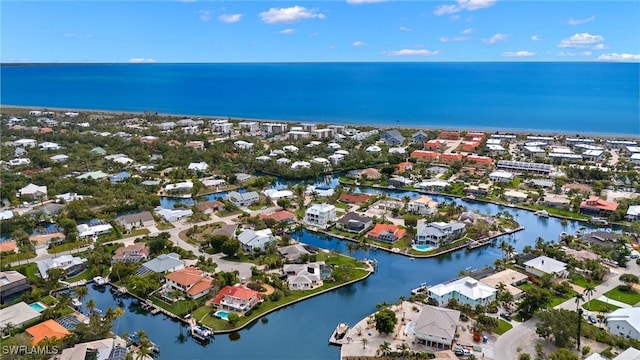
x: 392, y: 137
x: 12, y: 284
x: 105, y: 349
x: 515, y: 196
x: 404, y: 166
x: 480, y: 189
x: 595, y: 206
x: 304, y: 276
x: 293, y: 252
x: 501, y: 176
x: 436, y: 327
x: 436, y: 234
x: 370, y: 174
x: 510, y: 278
x: 423, y: 205
x: 419, y: 137
x: 320, y: 215
x: 70, y: 264
x: 557, y: 201
x: 354, y: 198
x: 633, y: 213
x: 17, y: 315
x: 47, y: 330
x: 137, y: 220
x: 190, y: 281
x: 601, y: 238
x: 163, y: 263
x: 133, y: 253
x: 178, y: 189
x: 236, y: 298
x: 209, y: 207
x: 34, y: 192
x: 255, y: 240
x: 171, y: 215
x: 424, y: 155
x: 386, y: 232
x: 546, y: 265
x: 432, y: 184
x: 400, y: 181
x: 242, y: 199
x: 465, y: 290
x: 354, y: 222
x: 625, y: 323
x: 214, y: 183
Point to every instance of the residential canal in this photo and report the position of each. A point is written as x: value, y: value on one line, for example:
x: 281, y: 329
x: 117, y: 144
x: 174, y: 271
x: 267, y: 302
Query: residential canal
x: 301, y: 331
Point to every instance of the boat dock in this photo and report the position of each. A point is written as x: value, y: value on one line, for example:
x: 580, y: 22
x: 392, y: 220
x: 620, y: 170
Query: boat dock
x: 474, y: 244
x: 423, y: 288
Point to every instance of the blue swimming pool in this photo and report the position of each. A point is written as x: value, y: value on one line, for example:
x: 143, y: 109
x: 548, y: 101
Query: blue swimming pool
x: 38, y: 306
x: 422, y: 247
x: 222, y: 315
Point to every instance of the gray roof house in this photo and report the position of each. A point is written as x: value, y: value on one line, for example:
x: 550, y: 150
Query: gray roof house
x: 354, y: 222
x: 161, y: 264
x: 546, y: 265
x: 392, y: 137
x: 251, y: 239
x: 436, y: 327
x: 244, y: 199
x: 293, y: 252
x: 17, y: 315
x: 70, y: 264
x: 12, y: 284
x: 141, y: 219
x: 419, y: 137
x: 435, y: 233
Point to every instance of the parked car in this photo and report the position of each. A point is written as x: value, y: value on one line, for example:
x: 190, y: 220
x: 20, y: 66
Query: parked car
x: 592, y: 319
x: 505, y: 316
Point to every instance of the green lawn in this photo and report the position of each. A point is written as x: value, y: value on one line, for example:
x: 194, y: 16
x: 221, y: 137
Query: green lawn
x: 85, y: 275
x: 164, y: 226
x: 48, y: 300
x: 555, y: 300
x: 580, y: 280
x: 503, y: 327
x: 599, y: 306
x: 627, y: 297
x: 66, y: 247
x: 136, y: 232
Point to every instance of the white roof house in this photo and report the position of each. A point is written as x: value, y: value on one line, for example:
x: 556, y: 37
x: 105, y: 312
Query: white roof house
x: 19, y: 161
x: 86, y: 231
x: 66, y: 262
x: 465, y: 290
x: 283, y: 161
x: 6, y: 214
x: 59, y: 158
x: 436, y: 326
x: 336, y: 158
x: 277, y: 152
x: 290, y: 148
x: 320, y: 215
x: 342, y: 152
x: 240, y: 144
x: 333, y: 146
x: 633, y: 213
x: 251, y: 239
x: 17, y: 314
x: 501, y: 176
x: 25, y: 143
x: 275, y: 194
x: 199, y: 166
x: 33, y: 190
x: 49, y: 146
x: 263, y: 158
x: 546, y: 265
x: 300, y: 165
x: 625, y: 322
x: 373, y: 149
x: 181, y: 186
x: 397, y: 150
x: 170, y: 215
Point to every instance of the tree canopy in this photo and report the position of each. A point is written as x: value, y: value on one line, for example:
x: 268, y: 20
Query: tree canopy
x: 386, y: 321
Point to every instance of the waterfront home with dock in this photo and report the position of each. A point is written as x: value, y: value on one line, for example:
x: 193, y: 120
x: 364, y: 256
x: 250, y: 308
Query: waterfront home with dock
x: 436, y: 327
x: 191, y: 281
x: 465, y: 290
x: 236, y: 298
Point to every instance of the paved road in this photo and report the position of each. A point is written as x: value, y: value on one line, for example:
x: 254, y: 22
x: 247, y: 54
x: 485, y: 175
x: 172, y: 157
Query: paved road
x: 505, y: 347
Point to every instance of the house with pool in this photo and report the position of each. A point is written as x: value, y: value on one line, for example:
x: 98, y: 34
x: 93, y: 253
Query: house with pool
x: 430, y: 236
x: 236, y: 298
x: 465, y: 290
x: 191, y: 281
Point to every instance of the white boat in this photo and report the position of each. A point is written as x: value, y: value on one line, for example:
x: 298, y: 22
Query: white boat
x: 341, y: 331
x: 542, y: 213
x: 200, y: 332
x: 75, y: 302
x: 100, y: 281
x: 423, y: 288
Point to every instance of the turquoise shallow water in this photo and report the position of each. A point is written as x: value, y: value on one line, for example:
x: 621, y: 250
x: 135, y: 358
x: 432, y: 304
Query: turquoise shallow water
x: 560, y: 97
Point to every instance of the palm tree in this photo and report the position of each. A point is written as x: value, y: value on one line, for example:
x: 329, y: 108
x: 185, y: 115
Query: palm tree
x: 589, y: 290
x: 81, y: 292
x: 8, y: 329
x: 384, y: 349
x: 403, y: 348
x: 91, y: 304
x: 364, y: 342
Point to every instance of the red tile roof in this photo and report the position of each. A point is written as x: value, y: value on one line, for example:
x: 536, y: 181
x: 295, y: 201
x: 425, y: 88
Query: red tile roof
x: 479, y: 159
x: 186, y: 277
x: 238, y: 291
x: 594, y: 202
x: 422, y: 154
x: 48, y: 329
x: 475, y: 135
x: 199, y: 287
x: 449, y: 135
x: 7, y: 246
x: 449, y: 158
x: 470, y: 145
x: 381, y: 228
x: 434, y: 144
x: 404, y: 166
x: 354, y: 198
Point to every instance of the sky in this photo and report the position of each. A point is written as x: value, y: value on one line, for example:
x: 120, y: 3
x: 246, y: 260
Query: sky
x: 197, y: 31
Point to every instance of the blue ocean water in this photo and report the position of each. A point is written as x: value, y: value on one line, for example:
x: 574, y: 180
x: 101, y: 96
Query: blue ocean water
x: 562, y: 97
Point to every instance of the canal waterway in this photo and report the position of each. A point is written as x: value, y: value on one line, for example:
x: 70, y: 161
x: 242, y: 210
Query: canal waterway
x: 301, y: 331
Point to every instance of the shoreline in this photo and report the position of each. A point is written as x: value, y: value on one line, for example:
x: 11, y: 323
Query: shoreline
x: 398, y: 125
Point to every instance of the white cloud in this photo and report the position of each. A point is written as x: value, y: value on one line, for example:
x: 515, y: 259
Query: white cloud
x: 619, y: 57
x: 570, y: 54
x: 496, y: 39
x: 358, y: 44
x: 230, y: 18
x: 466, y: 31
x: 140, y: 61
x: 404, y: 28
x: 573, y: 22
x: 205, y: 15
x: 518, y: 54
x: 454, y: 39
x: 289, y: 15
x: 580, y: 40
x: 287, y: 31
x: 469, y: 5
x: 356, y: 2
x: 411, y: 52
x: 535, y: 38
x: 600, y: 47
